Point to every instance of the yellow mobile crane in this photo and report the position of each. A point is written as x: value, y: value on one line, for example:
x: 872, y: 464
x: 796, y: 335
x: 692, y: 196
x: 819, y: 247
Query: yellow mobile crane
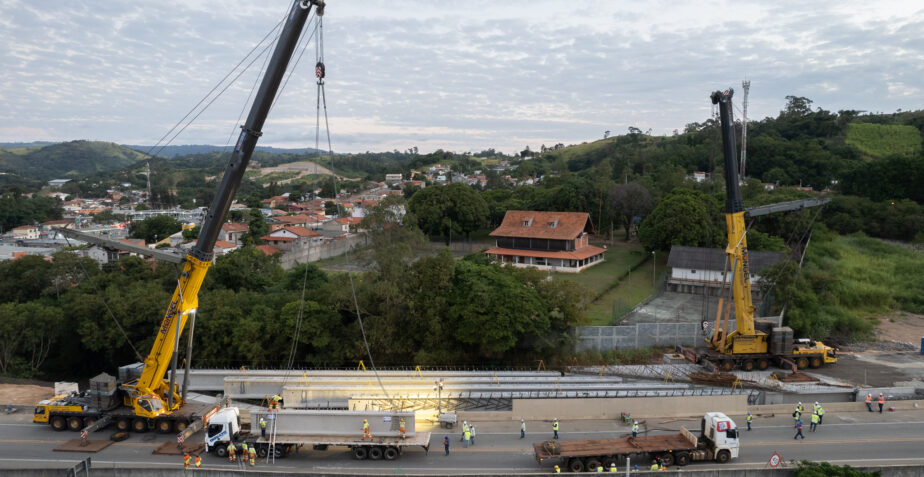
x: 753, y: 344
x: 145, y: 400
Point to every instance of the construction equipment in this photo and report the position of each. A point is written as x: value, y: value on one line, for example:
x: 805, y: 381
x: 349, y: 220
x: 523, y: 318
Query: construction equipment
x: 142, y: 399
x: 754, y: 344
x: 288, y: 430
x: 718, y: 442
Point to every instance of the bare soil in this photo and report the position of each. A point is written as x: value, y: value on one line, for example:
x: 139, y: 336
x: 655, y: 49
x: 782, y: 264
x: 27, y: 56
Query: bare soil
x: 24, y: 394
x: 902, y: 327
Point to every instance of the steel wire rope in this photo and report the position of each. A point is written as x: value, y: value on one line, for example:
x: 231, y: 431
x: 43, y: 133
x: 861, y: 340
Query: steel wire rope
x: 270, y: 32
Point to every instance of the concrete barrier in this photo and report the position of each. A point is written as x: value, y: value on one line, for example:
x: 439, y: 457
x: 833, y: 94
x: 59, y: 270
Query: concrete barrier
x: 836, y: 407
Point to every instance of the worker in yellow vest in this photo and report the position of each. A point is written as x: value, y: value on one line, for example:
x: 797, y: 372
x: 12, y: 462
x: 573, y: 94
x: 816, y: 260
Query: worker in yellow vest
x: 555, y: 428
x: 635, y: 429
x: 198, y: 461
x: 186, y: 460
x: 232, y: 452
x: 557, y: 470
x: 402, y: 429
x: 612, y: 467
x: 253, y: 456
x: 366, y: 432
x: 262, y: 427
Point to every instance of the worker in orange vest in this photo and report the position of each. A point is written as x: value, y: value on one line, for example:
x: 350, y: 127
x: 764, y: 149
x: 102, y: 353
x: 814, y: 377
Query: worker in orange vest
x: 402, y: 429
x: 186, y: 460
x: 366, y: 432
x: 869, y: 402
x: 232, y: 452
x: 253, y: 455
x: 881, y: 402
x: 198, y: 461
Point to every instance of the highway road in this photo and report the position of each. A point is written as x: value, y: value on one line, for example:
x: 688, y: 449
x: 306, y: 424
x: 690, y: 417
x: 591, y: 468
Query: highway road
x: 858, y: 439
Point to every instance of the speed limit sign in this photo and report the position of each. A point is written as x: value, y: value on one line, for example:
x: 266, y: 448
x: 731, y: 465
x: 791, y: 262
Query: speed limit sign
x: 775, y: 460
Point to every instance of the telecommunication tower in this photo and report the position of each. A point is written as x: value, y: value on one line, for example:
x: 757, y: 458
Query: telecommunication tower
x: 745, y: 85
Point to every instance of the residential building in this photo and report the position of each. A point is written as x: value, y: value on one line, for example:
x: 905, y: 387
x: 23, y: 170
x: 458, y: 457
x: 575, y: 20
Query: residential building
x: 292, y: 237
x: 546, y: 240
x: 393, y: 178
x: 232, y: 232
x: 223, y: 247
x: 341, y: 226
x: 25, y: 232
x: 700, y: 270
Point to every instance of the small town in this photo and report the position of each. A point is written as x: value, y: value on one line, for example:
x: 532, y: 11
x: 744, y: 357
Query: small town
x: 473, y: 240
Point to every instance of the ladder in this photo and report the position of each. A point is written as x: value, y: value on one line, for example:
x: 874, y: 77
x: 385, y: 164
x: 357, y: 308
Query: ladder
x: 271, y: 448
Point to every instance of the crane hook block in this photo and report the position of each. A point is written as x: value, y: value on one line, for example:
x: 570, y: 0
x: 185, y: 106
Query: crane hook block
x: 319, y: 70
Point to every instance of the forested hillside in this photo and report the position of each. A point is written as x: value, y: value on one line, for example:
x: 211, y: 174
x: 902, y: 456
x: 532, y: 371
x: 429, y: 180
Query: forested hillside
x: 68, y: 160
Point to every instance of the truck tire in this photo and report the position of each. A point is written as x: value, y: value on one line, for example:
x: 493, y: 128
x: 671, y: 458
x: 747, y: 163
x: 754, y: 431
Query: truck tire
x: 222, y: 451
x: 58, y: 423
x: 279, y: 451
x: 74, y: 423
x: 181, y: 425
x: 391, y: 453
x: 118, y: 436
x: 592, y: 464
x: 748, y: 365
x: 682, y: 459
x: 609, y: 462
x: 123, y: 424
x: 723, y: 456
x: 667, y: 459
x: 726, y: 365
x: 816, y: 362
x: 576, y: 465
x: 140, y: 425
x: 360, y: 453
x: 376, y: 453
x: 164, y: 426
x: 89, y: 421
x: 802, y: 363
x: 261, y: 450
x: 763, y: 364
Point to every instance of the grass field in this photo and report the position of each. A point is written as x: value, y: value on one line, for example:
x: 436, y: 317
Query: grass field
x: 609, y: 286
x: 881, y: 140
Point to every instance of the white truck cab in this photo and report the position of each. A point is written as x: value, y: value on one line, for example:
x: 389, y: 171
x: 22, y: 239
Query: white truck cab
x: 722, y: 433
x: 224, y: 427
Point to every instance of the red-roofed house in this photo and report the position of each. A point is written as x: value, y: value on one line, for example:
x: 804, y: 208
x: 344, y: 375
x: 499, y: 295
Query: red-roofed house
x: 545, y: 240
x: 291, y: 237
x: 268, y: 250
x: 232, y: 232
x: 222, y: 247
x: 301, y: 220
x: 25, y: 232
x: 342, y: 226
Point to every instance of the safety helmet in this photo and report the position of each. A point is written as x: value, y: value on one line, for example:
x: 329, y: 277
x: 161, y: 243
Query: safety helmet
x: 636, y: 422
x: 800, y: 402
x: 749, y: 413
x: 816, y: 403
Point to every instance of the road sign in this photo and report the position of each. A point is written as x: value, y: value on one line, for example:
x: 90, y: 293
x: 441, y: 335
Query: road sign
x: 775, y: 460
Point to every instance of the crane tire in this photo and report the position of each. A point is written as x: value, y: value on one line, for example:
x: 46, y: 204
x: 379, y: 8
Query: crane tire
x: 118, y: 436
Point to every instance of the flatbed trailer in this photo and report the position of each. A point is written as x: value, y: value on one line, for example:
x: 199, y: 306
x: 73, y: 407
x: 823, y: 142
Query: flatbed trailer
x: 388, y: 448
x: 672, y: 449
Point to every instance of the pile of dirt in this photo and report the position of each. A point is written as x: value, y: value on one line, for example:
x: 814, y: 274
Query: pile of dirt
x: 24, y: 394
x: 881, y: 346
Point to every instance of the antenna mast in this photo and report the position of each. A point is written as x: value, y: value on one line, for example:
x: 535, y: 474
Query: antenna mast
x: 148, y: 174
x: 745, y: 85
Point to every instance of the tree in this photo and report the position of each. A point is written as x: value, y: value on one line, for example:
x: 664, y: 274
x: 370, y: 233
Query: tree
x: 796, y: 106
x: 685, y: 217
x: 330, y: 208
x: 256, y: 227
x: 628, y: 201
x: 155, y: 228
x: 445, y: 210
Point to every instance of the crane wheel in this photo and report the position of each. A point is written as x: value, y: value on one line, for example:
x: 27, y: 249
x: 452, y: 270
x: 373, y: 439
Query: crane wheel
x: 74, y: 423
x: 140, y: 425
x: 727, y: 365
x: 748, y: 365
x: 164, y: 426
x: 118, y: 436
x: 763, y: 364
x: 181, y: 425
x: 123, y: 424
x: 58, y: 423
x: 802, y: 363
x: 816, y: 362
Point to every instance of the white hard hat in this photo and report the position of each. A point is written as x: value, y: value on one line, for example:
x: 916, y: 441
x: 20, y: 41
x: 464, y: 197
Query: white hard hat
x: 800, y: 402
x: 816, y: 402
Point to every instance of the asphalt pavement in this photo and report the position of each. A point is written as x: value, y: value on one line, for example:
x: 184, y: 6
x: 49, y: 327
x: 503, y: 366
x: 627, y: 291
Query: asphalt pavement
x: 858, y: 439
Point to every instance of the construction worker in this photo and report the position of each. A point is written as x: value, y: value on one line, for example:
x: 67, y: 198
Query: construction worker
x: 446, y: 444
x: 232, y: 452
x: 814, y: 422
x: 798, y: 427
x: 881, y: 402
x: 815, y: 407
x: 467, y: 437
x: 799, y: 407
x: 635, y: 429
x: 869, y: 402
x: 402, y: 429
x: 613, y: 467
x: 366, y: 432
x: 253, y: 456
x: 821, y: 415
x: 464, y: 429
x: 522, y: 428
x: 555, y: 428
x: 557, y: 470
x: 274, y: 402
x: 749, y: 418
x: 262, y: 427
x: 198, y: 462
x: 654, y: 465
x: 471, y: 430
x: 599, y: 468
x: 186, y: 460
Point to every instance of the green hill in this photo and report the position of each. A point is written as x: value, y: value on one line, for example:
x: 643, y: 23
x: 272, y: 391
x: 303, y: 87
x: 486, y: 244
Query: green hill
x: 67, y: 160
x: 880, y: 140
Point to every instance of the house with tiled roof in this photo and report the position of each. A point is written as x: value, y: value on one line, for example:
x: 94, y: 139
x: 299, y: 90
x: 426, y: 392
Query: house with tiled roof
x: 292, y: 237
x: 546, y: 240
x: 341, y: 226
x: 232, y: 232
x: 25, y: 232
x: 268, y: 250
x: 223, y: 247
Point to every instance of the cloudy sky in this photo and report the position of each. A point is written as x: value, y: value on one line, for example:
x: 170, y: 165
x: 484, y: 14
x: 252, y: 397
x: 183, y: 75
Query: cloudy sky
x: 461, y: 76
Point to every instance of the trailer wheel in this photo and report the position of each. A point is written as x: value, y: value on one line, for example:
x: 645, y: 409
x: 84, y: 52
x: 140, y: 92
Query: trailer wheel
x: 592, y: 464
x: 748, y: 365
x: 164, y: 426
x: 802, y: 363
x: 123, y: 424
x: 279, y: 451
x: 261, y: 450
x: 360, y: 453
x: 723, y: 456
x: 667, y: 459
x: 391, y: 453
x: 118, y: 436
x: 74, y: 423
x: 222, y: 451
x: 576, y: 465
x: 140, y: 425
x: 763, y: 364
x: 375, y: 453
x: 609, y: 462
x: 682, y: 459
x: 58, y: 423
x: 816, y: 362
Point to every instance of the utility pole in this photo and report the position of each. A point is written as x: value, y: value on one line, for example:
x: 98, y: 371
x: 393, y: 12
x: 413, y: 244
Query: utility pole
x: 148, y: 174
x: 745, y: 85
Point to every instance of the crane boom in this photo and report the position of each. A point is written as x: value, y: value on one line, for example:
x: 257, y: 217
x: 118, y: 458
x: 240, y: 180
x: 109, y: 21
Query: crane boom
x: 150, y: 395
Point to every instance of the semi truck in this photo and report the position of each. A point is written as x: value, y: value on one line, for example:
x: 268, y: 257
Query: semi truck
x: 289, y: 430
x: 718, y: 442
x: 142, y: 399
x: 755, y: 344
